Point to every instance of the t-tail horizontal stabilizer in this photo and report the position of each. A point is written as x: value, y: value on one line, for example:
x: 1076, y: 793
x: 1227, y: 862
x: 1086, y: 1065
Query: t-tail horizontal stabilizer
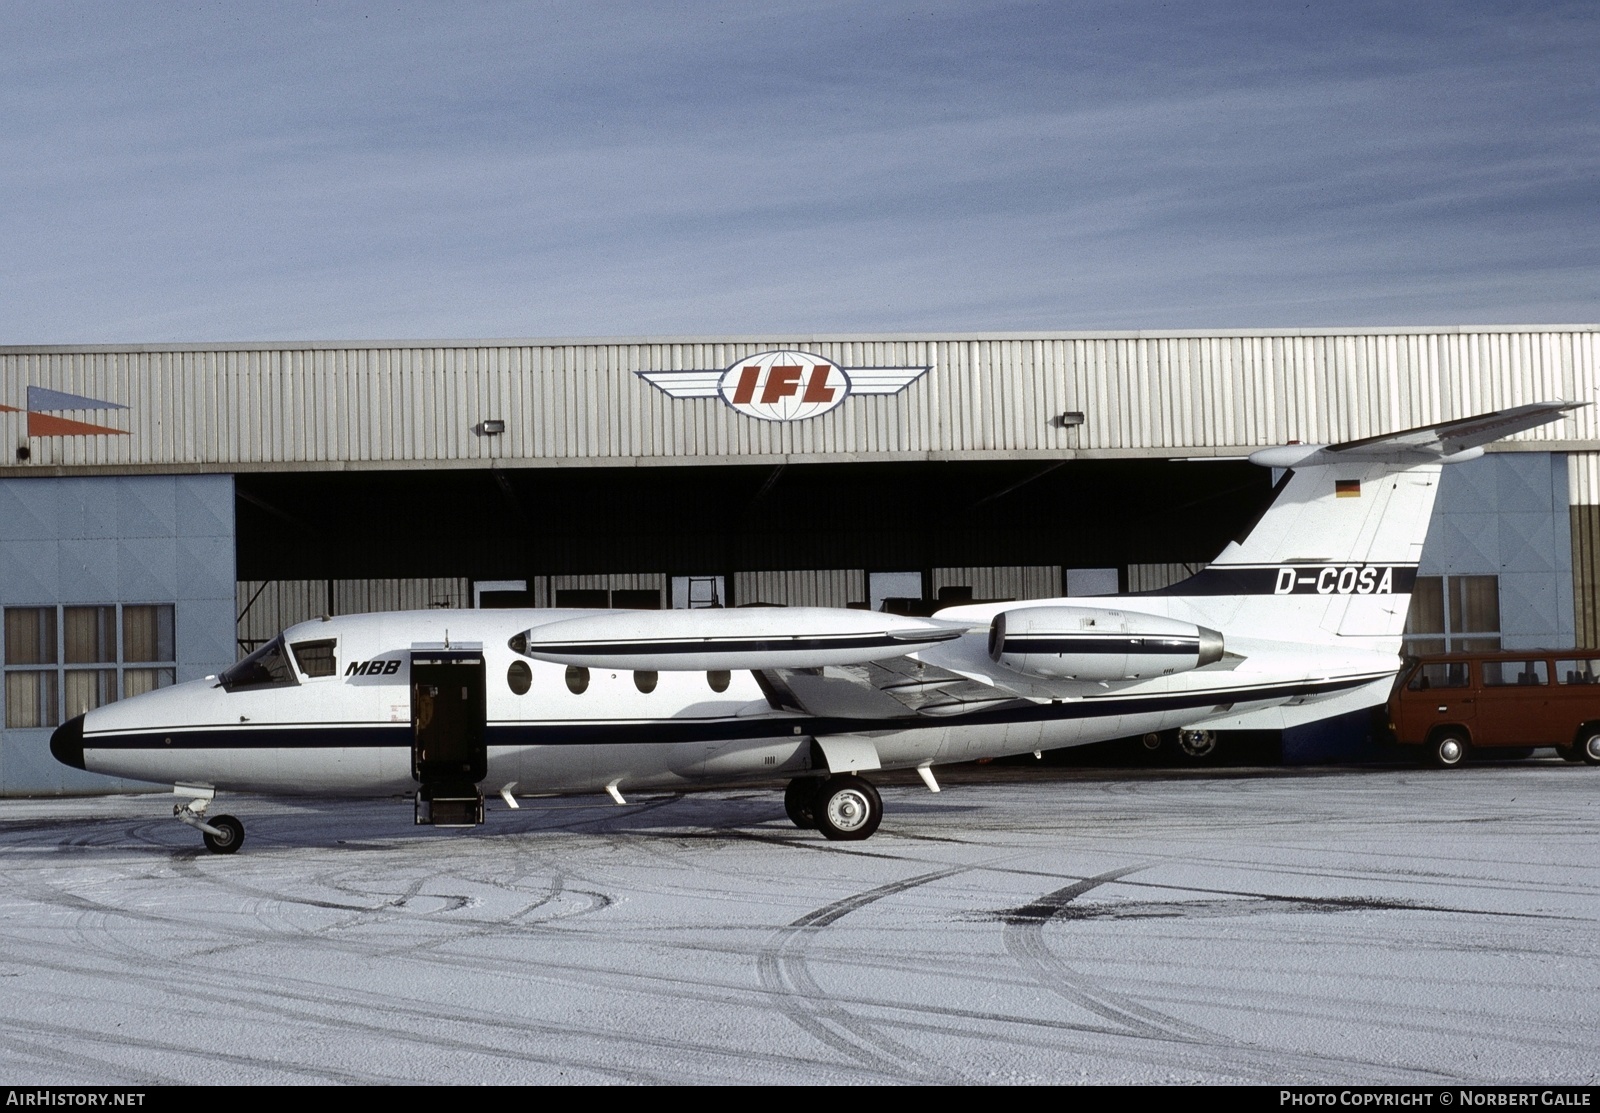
x: 1446, y: 442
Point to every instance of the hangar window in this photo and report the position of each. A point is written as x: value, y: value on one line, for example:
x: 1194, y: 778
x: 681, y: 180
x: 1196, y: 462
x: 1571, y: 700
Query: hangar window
x: 267, y: 667
x: 719, y: 680
x: 63, y: 661
x: 577, y: 680
x: 147, y: 641
x: 645, y: 681
x: 316, y: 658
x: 519, y: 677
x: 31, y: 677
x: 1453, y: 614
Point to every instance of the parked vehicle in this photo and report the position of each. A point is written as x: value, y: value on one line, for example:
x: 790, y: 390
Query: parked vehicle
x: 1499, y: 701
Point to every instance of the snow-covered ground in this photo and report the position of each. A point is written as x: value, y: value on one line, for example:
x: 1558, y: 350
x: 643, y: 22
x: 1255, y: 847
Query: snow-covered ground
x: 1024, y: 925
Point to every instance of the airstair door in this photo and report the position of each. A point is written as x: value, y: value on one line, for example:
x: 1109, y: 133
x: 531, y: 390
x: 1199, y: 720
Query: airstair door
x: 449, y: 748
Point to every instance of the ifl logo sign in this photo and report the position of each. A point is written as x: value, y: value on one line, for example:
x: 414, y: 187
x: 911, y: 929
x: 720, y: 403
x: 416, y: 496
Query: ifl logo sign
x: 785, y: 385
x: 42, y: 423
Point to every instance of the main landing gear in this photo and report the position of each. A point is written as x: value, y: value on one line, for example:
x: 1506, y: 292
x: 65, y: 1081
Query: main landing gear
x: 223, y: 834
x: 844, y: 807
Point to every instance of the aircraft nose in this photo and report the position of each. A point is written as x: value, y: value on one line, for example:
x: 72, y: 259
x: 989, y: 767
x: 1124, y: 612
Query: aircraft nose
x: 66, y: 744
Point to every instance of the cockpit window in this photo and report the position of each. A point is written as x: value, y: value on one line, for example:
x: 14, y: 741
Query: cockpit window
x: 316, y: 658
x: 267, y: 667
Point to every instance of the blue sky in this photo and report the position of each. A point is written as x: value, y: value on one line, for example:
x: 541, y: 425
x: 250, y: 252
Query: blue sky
x: 222, y: 171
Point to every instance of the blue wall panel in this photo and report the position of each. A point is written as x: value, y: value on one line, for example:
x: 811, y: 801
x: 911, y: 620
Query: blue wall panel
x: 123, y: 539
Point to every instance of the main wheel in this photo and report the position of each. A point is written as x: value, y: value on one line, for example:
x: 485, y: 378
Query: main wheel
x: 799, y: 801
x: 227, y: 842
x: 1197, y: 744
x: 847, y: 808
x: 1448, y: 749
x: 1589, y: 748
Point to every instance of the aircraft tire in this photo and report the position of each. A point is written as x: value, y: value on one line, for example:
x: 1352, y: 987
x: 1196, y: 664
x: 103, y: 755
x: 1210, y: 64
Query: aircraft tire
x: 1448, y: 749
x: 847, y: 808
x: 230, y: 840
x: 799, y: 802
x: 1198, y: 745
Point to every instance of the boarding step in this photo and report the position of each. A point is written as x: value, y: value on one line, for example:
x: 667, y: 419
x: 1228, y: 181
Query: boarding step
x: 449, y: 805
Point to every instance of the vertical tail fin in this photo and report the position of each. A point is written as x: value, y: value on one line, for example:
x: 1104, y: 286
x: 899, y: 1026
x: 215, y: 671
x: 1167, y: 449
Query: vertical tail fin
x: 1335, y: 555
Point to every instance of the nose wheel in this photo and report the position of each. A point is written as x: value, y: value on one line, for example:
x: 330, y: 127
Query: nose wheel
x: 223, y: 834
x: 229, y: 833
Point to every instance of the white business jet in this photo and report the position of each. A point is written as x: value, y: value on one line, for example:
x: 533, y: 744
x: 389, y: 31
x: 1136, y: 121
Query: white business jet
x: 1298, y: 620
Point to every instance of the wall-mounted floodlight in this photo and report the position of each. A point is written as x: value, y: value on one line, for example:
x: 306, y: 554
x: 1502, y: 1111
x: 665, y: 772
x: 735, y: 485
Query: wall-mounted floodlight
x: 1068, y: 420
x: 491, y: 428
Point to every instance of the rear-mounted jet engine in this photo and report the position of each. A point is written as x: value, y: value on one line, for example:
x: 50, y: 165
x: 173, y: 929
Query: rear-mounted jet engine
x: 1084, y: 643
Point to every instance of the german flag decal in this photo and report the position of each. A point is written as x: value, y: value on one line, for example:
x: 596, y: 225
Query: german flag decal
x: 1347, y: 488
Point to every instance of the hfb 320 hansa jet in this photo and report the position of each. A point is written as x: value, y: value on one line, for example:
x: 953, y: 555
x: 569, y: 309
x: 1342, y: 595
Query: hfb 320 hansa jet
x: 1298, y: 620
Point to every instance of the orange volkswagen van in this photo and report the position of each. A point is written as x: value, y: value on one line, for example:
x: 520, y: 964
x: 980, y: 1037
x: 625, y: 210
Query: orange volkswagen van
x: 1504, y: 699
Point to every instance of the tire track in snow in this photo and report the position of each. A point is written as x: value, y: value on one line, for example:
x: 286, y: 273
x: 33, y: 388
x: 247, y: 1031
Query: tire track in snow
x: 785, y: 973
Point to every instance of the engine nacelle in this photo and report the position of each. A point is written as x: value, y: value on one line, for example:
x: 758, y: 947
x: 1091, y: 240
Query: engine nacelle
x: 1088, y: 643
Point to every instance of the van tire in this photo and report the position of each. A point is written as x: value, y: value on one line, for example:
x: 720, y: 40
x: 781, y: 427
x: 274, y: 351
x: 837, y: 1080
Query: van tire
x: 1448, y: 749
x: 1589, y: 746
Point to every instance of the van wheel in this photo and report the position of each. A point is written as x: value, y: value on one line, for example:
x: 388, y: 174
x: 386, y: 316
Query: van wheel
x: 1448, y: 749
x: 1589, y: 747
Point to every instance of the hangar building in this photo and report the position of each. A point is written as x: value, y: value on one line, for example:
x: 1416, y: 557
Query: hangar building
x: 165, y: 508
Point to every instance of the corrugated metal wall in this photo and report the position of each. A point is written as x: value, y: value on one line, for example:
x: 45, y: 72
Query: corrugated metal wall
x: 1153, y: 577
x: 1583, y: 491
x: 1016, y: 582
x: 544, y: 588
x: 826, y: 587
x: 239, y: 407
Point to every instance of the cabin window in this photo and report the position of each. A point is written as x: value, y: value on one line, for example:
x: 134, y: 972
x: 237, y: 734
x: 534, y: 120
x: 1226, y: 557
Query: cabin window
x: 719, y: 680
x: 577, y: 680
x: 316, y: 658
x: 267, y: 667
x: 645, y: 681
x: 63, y: 661
x: 519, y: 677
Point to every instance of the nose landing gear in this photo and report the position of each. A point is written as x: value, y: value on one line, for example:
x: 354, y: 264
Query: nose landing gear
x: 223, y: 834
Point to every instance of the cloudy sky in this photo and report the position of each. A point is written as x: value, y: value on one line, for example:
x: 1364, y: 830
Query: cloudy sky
x: 261, y: 171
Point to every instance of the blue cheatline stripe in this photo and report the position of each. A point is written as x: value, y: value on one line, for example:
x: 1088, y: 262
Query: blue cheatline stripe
x: 655, y: 731
x: 1254, y: 579
x: 1040, y: 643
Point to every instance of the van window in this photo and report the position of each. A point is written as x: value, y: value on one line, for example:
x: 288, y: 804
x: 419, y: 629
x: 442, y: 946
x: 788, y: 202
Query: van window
x: 1439, y: 674
x: 1500, y: 674
x: 1578, y: 672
